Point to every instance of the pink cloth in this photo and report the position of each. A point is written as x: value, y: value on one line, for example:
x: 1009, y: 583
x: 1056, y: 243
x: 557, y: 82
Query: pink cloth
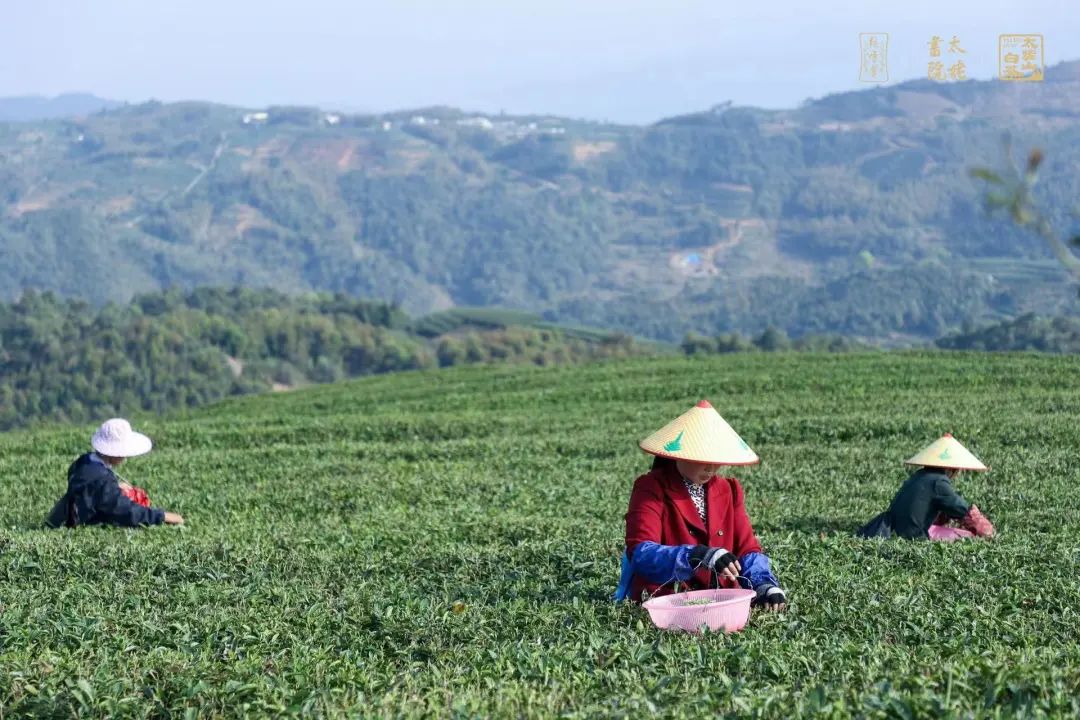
x: 943, y: 533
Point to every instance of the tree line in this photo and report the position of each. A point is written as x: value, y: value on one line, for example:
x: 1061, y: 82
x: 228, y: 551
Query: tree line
x: 66, y: 360
x: 69, y: 361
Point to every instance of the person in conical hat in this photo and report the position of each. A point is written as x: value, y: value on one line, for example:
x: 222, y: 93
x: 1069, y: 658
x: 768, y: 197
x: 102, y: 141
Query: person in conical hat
x: 687, y: 524
x: 927, y: 504
x: 95, y: 493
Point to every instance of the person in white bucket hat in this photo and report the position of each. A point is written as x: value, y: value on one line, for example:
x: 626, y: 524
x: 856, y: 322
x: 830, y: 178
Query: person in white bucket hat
x: 687, y: 524
x: 96, y: 495
x: 927, y: 504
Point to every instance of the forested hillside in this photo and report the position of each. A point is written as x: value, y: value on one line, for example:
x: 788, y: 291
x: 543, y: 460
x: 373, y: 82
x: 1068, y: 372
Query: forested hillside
x: 852, y: 214
x: 1027, y: 332
x: 66, y: 360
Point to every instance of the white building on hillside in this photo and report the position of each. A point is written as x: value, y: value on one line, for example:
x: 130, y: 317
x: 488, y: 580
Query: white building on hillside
x: 480, y: 122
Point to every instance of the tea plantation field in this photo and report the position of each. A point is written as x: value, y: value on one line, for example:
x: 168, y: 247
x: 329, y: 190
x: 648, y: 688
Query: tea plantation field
x: 445, y: 544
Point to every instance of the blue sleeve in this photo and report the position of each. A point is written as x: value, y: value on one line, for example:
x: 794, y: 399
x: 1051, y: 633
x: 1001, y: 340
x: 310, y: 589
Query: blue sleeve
x: 116, y: 509
x: 662, y: 563
x: 757, y: 569
x: 626, y: 576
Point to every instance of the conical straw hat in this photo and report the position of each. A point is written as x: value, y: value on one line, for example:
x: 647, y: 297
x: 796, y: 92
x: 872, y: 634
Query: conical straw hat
x: 947, y: 452
x: 700, y: 435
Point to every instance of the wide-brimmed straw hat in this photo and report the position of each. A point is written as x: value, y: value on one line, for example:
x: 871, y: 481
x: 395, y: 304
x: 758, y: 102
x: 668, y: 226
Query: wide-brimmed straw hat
x: 947, y: 452
x: 115, y: 438
x: 700, y: 435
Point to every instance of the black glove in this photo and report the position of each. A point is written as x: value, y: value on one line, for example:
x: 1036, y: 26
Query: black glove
x: 710, y: 558
x: 769, y: 596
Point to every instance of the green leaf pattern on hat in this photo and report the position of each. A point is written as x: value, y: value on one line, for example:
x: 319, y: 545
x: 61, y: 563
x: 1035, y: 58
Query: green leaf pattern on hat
x: 676, y: 444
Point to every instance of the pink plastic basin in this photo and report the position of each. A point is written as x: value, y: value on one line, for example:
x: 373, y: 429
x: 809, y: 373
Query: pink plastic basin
x: 728, y: 611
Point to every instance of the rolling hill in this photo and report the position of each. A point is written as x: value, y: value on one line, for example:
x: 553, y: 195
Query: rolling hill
x: 31, y: 108
x: 445, y: 544
x: 851, y: 214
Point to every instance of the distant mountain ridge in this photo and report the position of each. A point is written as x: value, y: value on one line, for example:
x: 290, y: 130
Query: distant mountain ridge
x: 31, y: 108
x: 852, y: 214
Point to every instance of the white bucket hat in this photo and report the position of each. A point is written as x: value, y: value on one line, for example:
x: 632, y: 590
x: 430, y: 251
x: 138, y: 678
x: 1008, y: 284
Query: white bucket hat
x: 115, y: 438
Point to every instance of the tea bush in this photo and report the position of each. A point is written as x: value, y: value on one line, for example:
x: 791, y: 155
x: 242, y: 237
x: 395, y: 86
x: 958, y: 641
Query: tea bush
x: 446, y: 544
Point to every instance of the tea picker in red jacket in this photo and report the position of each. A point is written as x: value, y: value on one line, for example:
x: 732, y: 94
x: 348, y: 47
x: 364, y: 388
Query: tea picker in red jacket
x: 687, y: 524
x: 95, y: 493
x: 926, y: 505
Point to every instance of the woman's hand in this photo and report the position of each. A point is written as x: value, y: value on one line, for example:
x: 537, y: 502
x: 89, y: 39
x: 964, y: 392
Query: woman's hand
x: 172, y: 518
x: 977, y: 523
x: 720, y: 560
x: 771, y: 599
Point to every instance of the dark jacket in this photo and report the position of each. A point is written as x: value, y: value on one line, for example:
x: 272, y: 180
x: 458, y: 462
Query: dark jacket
x: 93, y: 497
x: 925, y: 494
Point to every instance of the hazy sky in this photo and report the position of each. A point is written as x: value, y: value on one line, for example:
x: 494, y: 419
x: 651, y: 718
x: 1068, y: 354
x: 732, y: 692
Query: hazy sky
x: 626, y: 60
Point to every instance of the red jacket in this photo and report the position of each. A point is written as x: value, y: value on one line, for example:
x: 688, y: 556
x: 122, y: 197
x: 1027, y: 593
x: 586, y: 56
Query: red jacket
x: 661, y: 511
